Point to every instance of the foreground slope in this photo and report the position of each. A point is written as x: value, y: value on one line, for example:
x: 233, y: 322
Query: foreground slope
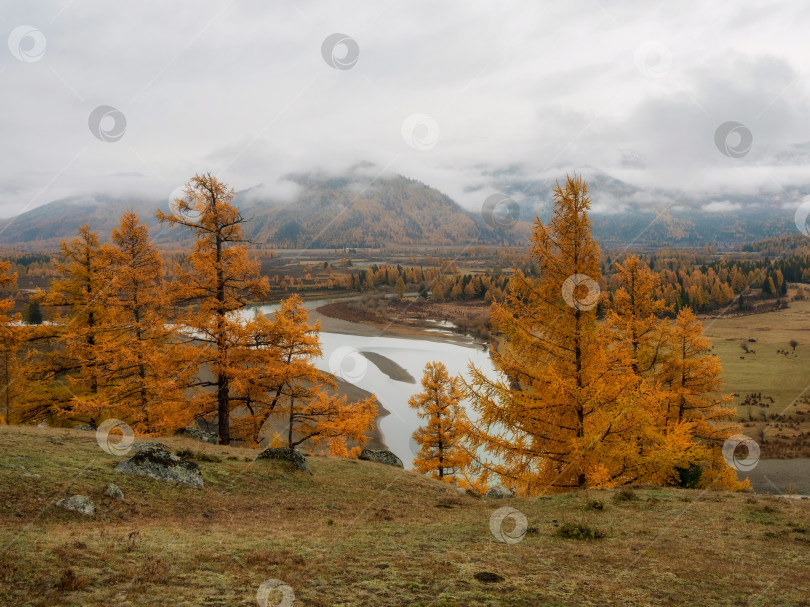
x: 358, y: 533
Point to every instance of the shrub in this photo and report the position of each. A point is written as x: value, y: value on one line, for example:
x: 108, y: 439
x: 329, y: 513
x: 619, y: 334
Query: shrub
x: 579, y: 531
x: 626, y: 494
x: 70, y: 581
x: 593, y: 505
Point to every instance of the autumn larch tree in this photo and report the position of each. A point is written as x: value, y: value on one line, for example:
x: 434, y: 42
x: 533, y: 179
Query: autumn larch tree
x: 276, y: 379
x: 669, y: 446
x: 9, y: 340
x: 636, y: 315
x: 566, y: 410
x: 441, y: 453
x: 83, y: 288
x: 24, y: 398
x: 220, y: 282
x: 693, y: 378
x: 144, y: 373
x: 276, y: 354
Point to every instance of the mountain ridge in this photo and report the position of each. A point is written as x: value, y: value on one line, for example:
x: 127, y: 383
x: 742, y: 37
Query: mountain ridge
x: 350, y: 211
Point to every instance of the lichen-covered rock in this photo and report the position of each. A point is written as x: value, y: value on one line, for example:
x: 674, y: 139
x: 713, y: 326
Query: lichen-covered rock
x: 114, y: 492
x: 149, y: 446
x: 196, y: 433
x: 285, y: 454
x: 162, y: 466
x: 381, y: 456
x: 78, y: 503
x: 498, y: 492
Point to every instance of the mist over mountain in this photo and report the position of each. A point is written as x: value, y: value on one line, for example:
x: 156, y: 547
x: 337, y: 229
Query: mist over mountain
x: 350, y: 210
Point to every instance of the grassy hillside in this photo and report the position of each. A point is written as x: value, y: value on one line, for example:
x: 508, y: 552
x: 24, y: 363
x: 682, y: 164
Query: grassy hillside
x: 358, y: 533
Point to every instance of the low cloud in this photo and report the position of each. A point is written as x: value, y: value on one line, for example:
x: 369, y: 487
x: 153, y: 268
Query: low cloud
x: 520, y: 93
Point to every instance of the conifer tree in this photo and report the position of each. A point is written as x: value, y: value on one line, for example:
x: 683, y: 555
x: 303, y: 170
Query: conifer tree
x: 275, y: 377
x: 83, y: 288
x: 9, y: 343
x: 669, y: 444
x: 144, y: 374
x: 567, y: 410
x: 441, y: 453
x: 636, y: 315
x: 220, y: 282
x: 693, y: 379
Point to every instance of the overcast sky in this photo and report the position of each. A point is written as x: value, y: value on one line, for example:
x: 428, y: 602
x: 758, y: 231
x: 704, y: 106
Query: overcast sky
x: 442, y: 91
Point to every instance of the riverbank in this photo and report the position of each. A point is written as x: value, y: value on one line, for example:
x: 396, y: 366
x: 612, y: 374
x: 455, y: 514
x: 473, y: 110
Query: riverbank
x: 463, y: 323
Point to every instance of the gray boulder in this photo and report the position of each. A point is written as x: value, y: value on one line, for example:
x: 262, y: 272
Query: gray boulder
x: 285, y: 454
x: 162, y: 466
x: 114, y: 492
x: 78, y: 503
x: 381, y: 456
x: 498, y: 492
x: 84, y: 427
x: 196, y: 433
x: 149, y: 446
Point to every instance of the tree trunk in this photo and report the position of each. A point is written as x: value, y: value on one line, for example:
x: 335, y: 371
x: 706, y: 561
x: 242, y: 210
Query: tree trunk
x: 223, y: 392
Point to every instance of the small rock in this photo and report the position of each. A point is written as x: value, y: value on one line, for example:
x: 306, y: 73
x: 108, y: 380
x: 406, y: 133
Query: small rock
x: 78, y: 503
x: 381, y: 456
x: 30, y: 475
x: 198, y: 434
x: 114, y: 492
x: 56, y: 440
x: 87, y: 427
x: 162, y: 466
x: 498, y: 492
x: 286, y: 454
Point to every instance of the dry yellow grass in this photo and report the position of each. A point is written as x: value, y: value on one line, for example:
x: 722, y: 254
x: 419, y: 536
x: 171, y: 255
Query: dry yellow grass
x: 358, y: 533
